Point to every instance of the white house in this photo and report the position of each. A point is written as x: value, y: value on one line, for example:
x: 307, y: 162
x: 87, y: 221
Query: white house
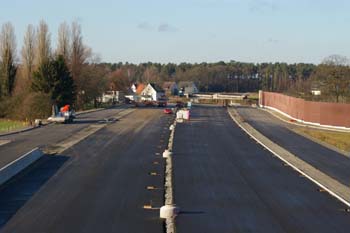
x: 152, y: 92
x: 135, y: 91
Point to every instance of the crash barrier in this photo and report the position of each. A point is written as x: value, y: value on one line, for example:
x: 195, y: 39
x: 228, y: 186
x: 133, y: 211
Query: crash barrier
x: 18, y: 165
x: 333, y: 115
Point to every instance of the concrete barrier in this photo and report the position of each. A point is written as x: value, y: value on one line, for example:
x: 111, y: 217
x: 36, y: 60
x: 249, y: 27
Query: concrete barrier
x: 18, y: 165
x: 169, y: 211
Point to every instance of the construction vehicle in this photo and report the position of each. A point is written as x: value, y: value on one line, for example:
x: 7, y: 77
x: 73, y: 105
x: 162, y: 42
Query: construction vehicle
x: 65, y: 115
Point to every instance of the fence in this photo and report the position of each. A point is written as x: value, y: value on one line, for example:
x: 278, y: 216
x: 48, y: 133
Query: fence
x: 319, y: 113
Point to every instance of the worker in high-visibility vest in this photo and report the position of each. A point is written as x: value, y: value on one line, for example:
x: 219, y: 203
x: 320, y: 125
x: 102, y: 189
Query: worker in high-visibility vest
x: 65, y: 108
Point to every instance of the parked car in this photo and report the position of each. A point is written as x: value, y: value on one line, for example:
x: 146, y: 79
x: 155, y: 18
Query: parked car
x: 168, y: 111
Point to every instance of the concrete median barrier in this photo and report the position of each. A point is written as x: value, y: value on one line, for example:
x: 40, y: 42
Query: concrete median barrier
x: 18, y: 165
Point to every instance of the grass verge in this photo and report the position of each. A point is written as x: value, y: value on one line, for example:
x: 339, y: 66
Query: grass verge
x: 340, y: 140
x: 10, y: 125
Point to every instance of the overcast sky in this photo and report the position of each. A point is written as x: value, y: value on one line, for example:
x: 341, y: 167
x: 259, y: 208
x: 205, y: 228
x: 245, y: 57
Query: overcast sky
x: 196, y: 30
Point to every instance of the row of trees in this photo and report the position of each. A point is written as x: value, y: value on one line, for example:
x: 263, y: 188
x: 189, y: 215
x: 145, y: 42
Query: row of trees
x: 231, y: 76
x: 332, y: 77
x: 42, y: 76
x: 39, y: 76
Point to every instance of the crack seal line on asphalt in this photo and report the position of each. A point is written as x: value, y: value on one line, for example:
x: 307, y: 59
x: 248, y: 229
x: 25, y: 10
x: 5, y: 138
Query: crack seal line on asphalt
x: 290, y: 164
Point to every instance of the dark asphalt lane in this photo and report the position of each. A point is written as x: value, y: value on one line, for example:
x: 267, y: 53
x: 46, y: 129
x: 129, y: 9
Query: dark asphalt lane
x: 23, y: 142
x: 225, y: 182
x: 326, y: 160
x: 102, y: 186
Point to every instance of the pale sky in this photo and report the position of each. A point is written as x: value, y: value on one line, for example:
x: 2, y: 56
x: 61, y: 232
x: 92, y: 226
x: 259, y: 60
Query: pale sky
x: 195, y: 30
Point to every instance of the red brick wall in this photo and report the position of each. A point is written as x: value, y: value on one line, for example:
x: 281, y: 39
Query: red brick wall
x: 333, y: 114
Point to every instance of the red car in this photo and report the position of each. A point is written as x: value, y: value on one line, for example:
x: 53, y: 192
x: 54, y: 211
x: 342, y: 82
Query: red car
x: 168, y: 111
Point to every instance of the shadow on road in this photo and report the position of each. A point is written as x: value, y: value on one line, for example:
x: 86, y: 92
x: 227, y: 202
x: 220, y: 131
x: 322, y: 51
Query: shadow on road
x: 191, y: 212
x: 15, y: 193
x: 85, y: 122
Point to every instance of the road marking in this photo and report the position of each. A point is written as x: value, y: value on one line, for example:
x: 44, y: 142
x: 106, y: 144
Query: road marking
x: 4, y: 141
x: 154, y: 174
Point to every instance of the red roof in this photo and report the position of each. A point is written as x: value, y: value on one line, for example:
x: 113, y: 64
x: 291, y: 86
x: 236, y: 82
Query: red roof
x: 140, y: 88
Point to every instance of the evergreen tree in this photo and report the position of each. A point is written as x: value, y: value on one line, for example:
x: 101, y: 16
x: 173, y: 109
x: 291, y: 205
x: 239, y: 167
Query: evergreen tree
x: 53, y: 78
x: 64, y: 90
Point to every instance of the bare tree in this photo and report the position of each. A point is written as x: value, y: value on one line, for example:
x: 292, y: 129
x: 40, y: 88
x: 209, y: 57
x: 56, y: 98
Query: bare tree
x: 79, y: 54
x: 43, y: 53
x: 63, y: 41
x: 77, y: 50
x: 336, y: 60
x: 333, y: 77
x: 28, y: 52
x: 8, y: 67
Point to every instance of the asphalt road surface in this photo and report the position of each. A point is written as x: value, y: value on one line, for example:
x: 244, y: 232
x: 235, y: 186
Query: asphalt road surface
x: 225, y: 182
x: 22, y: 143
x: 98, y: 185
x: 326, y: 160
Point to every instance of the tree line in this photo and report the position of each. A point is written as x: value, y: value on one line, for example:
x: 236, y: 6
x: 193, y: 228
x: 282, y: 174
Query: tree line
x: 221, y: 76
x: 331, y: 77
x: 39, y: 76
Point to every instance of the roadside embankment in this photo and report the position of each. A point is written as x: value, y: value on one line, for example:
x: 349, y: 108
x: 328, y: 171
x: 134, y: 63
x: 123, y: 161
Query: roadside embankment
x: 325, y: 182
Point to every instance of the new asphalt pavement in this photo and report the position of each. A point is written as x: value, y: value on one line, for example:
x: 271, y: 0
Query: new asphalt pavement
x: 21, y: 143
x: 328, y: 161
x: 98, y: 185
x: 225, y: 182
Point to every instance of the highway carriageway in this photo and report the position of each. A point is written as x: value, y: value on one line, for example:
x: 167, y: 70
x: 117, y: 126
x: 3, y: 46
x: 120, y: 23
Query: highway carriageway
x: 97, y: 185
x: 330, y: 162
x: 21, y: 143
x: 223, y: 182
